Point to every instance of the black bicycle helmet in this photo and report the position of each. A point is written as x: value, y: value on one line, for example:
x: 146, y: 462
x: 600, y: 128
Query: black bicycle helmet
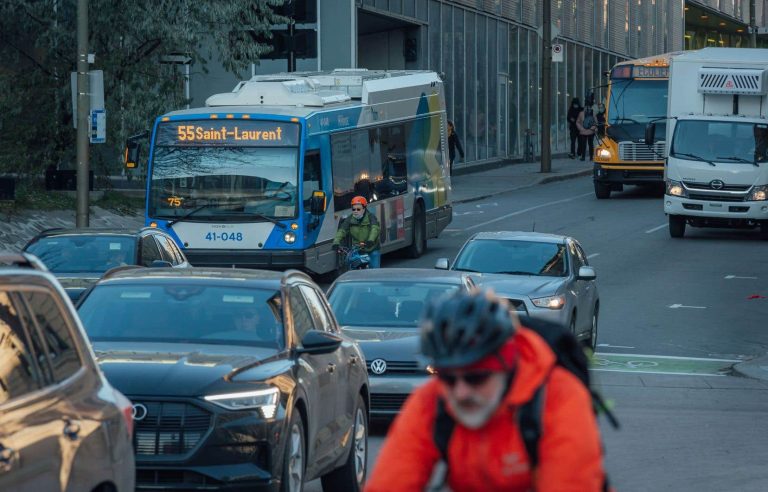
x: 464, y: 327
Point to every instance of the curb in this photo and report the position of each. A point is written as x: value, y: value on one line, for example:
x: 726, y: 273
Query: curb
x: 756, y: 368
x: 541, y: 181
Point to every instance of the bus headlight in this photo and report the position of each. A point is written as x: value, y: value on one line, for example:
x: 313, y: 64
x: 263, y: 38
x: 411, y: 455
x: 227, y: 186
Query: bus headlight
x: 603, y: 155
x: 289, y: 237
x: 758, y: 193
x: 675, y: 188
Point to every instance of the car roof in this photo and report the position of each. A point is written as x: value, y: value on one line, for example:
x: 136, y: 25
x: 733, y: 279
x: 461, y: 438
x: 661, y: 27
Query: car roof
x: 400, y: 274
x: 254, y: 278
x: 539, y: 237
x: 90, y: 231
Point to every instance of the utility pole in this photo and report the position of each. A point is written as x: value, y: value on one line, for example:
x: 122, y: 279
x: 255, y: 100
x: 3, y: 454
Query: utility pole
x: 752, y: 25
x: 83, y: 115
x: 546, y: 87
x: 291, y: 45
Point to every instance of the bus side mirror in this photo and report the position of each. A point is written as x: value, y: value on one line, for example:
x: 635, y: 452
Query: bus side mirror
x: 317, y: 204
x: 132, y: 149
x: 650, y: 134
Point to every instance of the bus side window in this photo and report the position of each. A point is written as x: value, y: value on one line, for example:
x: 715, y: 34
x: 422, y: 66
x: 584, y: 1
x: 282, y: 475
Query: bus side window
x: 312, y: 179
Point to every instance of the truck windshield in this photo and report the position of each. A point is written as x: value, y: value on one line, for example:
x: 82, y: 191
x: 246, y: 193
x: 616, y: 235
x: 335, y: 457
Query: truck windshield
x: 637, y: 101
x: 721, y: 141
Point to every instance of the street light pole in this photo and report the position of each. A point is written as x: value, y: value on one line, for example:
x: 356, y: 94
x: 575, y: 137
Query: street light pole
x: 83, y: 110
x: 752, y: 25
x: 546, y: 87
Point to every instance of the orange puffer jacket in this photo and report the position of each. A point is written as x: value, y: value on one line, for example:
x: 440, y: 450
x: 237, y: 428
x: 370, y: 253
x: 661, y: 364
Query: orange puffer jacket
x: 494, y: 457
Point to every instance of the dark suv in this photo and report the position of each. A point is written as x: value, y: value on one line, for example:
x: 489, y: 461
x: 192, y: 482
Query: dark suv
x: 62, y: 426
x: 240, y: 379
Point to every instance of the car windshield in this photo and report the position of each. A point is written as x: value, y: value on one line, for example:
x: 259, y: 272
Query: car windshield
x: 637, y: 101
x: 721, y: 141
x: 223, y: 179
x: 513, y: 257
x: 184, y: 313
x: 390, y: 304
x: 84, y: 253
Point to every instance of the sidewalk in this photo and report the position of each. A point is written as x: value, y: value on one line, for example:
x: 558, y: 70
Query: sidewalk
x: 756, y: 368
x: 469, y: 186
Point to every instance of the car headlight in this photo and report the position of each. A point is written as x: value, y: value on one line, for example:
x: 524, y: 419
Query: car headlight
x: 550, y: 302
x: 758, y: 193
x: 289, y: 237
x: 603, y: 155
x: 264, y: 400
x: 675, y: 188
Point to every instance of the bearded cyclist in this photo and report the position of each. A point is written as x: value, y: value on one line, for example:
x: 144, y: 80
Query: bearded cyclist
x: 488, y: 369
x: 362, y: 228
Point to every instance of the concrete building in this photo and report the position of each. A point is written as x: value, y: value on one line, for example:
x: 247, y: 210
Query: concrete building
x: 488, y: 52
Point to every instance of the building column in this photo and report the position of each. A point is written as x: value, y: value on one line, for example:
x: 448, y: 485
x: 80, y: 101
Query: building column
x: 338, y: 34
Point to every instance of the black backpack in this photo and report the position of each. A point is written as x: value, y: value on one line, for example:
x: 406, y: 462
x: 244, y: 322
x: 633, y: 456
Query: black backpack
x: 570, y: 356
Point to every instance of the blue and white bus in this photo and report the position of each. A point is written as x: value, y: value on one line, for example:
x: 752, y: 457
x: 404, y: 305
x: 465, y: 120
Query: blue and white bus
x: 262, y: 176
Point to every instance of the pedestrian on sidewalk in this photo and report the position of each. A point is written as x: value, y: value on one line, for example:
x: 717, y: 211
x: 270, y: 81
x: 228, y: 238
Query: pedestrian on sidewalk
x: 453, y: 144
x: 573, y: 114
x: 587, y: 126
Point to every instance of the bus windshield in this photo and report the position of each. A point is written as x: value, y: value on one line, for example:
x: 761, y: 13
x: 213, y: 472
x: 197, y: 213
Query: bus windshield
x: 224, y: 173
x: 637, y: 101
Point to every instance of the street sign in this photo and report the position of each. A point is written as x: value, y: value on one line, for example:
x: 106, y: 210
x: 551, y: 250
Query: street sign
x: 95, y: 92
x: 557, y: 53
x: 98, y: 132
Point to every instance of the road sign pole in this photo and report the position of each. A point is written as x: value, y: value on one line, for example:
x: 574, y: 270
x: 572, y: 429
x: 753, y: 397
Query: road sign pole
x: 83, y: 115
x: 546, y: 87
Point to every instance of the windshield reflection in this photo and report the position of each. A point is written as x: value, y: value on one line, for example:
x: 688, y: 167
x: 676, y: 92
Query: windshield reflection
x: 721, y: 141
x: 637, y: 101
x: 513, y: 257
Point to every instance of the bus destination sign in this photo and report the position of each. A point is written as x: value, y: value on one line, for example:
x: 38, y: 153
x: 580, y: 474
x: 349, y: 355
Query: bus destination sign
x: 228, y: 133
x: 651, y: 72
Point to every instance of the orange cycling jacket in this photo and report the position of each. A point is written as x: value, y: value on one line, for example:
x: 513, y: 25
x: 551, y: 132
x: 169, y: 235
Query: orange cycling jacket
x: 494, y: 457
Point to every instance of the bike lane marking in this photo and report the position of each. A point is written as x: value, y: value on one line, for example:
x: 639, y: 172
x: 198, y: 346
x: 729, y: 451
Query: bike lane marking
x: 661, y: 364
x: 657, y: 228
x: 529, y: 209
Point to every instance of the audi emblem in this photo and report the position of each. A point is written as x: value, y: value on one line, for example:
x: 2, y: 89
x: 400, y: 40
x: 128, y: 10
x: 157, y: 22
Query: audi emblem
x: 716, y: 184
x: 378, y: 366
x: 139, y: 412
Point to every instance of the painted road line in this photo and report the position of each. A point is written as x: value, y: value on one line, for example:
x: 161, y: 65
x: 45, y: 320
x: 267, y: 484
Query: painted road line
x: 662, y: 226
x: 589, y: 257
x: 731, y: 277
x: 526, y: 210
x: 614, y: 346
x: 661, y: 364
x: 678, y: 306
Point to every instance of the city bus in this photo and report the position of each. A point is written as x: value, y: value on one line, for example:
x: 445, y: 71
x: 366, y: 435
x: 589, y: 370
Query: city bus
x: 262, y: 176
x: 637, y: 95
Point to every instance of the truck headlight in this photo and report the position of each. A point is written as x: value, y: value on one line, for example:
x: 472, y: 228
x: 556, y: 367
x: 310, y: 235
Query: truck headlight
x: 603, y: 155
x: 264, y: 400
x: 550, y: 302
x: 675, y: 188
x: 758, y: 193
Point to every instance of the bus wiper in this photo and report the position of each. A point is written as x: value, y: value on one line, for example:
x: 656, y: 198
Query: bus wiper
x: 695, y: 157
x: 189, y: 214
x: 738, y: 159
x: 267, y: 218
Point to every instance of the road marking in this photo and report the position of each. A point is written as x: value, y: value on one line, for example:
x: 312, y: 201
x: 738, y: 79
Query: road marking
x: 677, y: 306
x: 589, y: 257
x: 672, y: 357
x: 614, y: 346
x: 452, y: 230
x: 526, y: 210
x: 471, y: 212
x: 661, y: 364
x: 730, y: 277
x: 662, y: 226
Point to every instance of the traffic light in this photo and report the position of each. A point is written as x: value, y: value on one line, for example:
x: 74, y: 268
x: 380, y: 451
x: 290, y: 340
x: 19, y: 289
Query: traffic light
x: 410, y: 50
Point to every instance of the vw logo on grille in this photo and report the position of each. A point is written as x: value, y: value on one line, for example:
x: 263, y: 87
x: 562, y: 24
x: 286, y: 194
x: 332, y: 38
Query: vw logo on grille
x: 716, y: 184
x: 379, y: 366
x: 139, y: 412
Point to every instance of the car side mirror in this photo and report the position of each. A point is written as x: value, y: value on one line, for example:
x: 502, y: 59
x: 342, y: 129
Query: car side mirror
x: 586, y: 273
x: 161, y: 264
x: 442, y: 264
x: 650, y: 134
x: 317, y: 203
x: 319, y: 342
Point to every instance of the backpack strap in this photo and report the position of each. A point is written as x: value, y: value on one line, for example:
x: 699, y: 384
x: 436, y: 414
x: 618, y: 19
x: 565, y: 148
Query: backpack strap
x: 442, y: 429
x: 529, y: 423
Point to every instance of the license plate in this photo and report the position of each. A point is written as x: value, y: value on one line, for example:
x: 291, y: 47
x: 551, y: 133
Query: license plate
x: 224, y: 237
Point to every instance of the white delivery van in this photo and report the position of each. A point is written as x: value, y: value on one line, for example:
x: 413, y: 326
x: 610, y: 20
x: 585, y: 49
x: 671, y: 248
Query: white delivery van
x: 716, y: 173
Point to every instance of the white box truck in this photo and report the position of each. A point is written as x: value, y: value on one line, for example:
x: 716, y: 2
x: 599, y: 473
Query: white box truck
x: 716, y: 173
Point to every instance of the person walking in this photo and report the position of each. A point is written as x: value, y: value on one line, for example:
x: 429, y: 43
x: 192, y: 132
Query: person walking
x: 490, y: 371
x: 587, y: 127
x: 453, y: 145
x: 362, y: 228
x: 573, y: 114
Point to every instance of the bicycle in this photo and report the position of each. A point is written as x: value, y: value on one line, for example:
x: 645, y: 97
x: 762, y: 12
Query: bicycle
x: 352, y: 259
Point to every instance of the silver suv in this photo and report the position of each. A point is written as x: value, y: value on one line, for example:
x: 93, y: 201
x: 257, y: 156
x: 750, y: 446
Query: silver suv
x: 62, y: 426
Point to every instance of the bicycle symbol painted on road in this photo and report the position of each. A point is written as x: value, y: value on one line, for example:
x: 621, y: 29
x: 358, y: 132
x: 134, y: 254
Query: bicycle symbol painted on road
x: 629, y: 364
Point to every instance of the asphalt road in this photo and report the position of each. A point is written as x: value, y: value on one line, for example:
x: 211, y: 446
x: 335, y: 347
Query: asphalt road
x: 675, y: 315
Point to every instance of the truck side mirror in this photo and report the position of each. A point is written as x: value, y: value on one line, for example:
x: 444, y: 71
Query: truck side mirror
x: 317, y: 203
x: 132, y: 149
x: 650, y: 134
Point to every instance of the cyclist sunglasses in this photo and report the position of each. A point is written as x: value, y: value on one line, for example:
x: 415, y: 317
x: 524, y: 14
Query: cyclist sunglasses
x: 357, y: 209
x: 474, y: 379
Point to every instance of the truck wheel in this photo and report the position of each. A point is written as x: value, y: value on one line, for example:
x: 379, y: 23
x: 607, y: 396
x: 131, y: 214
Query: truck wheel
x: 764, y: 230
x: 676, y: 225
x: 602, y: 190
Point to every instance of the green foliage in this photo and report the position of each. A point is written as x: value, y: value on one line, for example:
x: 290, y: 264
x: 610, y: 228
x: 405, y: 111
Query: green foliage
x: 38, y: 50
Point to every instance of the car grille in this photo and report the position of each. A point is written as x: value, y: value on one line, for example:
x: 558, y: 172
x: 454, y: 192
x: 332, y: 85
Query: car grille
x: 633, y: 151
x: 170, y: 429
x: 387, y: 402
x: 399, y: 367
x: 706, y: 186
x: 159, y: 478
x: 716, y: 198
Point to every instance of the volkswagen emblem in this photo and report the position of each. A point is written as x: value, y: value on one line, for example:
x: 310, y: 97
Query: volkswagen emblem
x: 378, y: 366
x: 716, y: 184
x: 139, y: 412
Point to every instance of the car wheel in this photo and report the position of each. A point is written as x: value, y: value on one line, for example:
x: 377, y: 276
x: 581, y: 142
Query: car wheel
x: 351, y: 475
x: 294, y: 462
x: 419, y: 233
x: 591, y: 342
x: 676, y: 225
x: 764, y: 230
x: 572, y: 324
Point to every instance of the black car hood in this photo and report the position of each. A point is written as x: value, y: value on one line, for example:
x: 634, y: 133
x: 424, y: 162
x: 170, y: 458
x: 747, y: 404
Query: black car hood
x: 173, y: 369
x: 400, y: 344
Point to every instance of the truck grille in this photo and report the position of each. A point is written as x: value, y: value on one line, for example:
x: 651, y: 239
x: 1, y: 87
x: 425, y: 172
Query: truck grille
x: 716, y: 198
x: 706, y: 186
x: 634, y: 151
x: 170, y: 429
x: 387, y: 402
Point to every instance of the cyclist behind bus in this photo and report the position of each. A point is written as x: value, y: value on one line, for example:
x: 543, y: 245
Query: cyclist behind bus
x: 488, y: 368
x: 362, y: 228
